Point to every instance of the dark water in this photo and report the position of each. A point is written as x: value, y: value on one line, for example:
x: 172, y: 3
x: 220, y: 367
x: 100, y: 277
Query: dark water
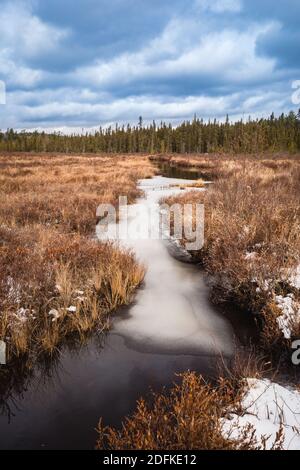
x: 170, y: 328
x: 61, y: 411
x: 180, y: 172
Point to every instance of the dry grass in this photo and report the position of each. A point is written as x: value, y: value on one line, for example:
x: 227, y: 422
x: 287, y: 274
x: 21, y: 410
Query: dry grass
x: 55, y: 281
x: 63, y: 191
x: 54, y: 284
x: 188, y: 417
x: 218, y: 166
x: 197, y: 184
x: 252, y: 241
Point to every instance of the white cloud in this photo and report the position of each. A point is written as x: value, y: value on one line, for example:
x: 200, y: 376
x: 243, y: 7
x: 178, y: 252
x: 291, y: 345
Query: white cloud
x: 18, y: 74
x: 24, y: 34
x: 56, y: 111
x: 24, y: 37
x: 226, y: 55
x: 130, y: 108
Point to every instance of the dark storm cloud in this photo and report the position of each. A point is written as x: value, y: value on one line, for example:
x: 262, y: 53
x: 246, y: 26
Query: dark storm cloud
x: 103, y: 28
x: 283, y: 42
x: 94, y: 61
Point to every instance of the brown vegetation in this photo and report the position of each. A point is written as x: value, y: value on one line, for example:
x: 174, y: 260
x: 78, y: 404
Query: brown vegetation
x: 196, y: 184
x: 64, y: 191
x: 188, y: 417
x: 55, y: 281
x: 252, y: 241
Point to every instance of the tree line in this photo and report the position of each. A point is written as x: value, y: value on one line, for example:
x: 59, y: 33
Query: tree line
x: 195, y: 136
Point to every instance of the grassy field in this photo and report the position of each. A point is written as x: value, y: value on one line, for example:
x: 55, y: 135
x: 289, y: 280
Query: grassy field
x: 252, y: 238
x: 55, y: 281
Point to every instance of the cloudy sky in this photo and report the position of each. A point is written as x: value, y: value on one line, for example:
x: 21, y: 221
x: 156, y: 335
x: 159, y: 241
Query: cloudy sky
x: 84, y: 63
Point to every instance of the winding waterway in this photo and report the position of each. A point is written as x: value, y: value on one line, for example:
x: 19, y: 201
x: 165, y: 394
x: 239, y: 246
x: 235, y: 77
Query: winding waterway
x: 171, y: 327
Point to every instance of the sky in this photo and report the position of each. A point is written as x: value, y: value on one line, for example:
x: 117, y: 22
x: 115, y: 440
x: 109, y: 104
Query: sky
x: 75, y: 64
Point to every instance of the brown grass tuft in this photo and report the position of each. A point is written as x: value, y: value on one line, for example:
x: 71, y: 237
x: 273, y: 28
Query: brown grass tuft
x: 186, y: 418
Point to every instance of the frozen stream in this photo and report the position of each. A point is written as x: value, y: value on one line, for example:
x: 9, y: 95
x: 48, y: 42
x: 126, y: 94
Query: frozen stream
x: 172, y: 313
x: 170, y: 328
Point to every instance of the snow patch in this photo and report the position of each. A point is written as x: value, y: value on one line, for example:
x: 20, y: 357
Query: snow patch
x: 295, y: 279
x: 268, y: 407
x: 290, y: 314
x: 14, y: 290
x: 72, y: 309
x: 22, y: 315
x: 55, y: 314
x: 250, y: 256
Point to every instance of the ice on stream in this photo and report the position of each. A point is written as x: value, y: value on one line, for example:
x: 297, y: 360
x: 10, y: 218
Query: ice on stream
x: 171, y: 313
